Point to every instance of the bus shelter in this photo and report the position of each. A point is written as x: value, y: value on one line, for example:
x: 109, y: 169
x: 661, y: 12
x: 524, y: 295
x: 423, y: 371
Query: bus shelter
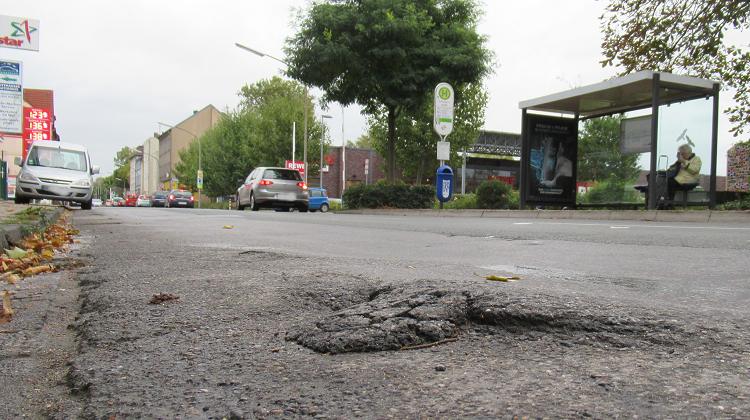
x: 549, y: 130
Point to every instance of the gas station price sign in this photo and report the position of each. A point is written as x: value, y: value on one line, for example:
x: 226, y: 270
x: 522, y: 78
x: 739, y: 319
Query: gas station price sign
x: 37, y: 125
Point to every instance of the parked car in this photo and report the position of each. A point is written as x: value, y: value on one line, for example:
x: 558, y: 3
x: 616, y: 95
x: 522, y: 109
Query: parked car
x: 55, y: 171
x: 143, y: 201
x: 96, y: 202
x: 180, y: 198
x: 130, y: 200
x: 159, y: 199
x: 109, y: 202
x: 279, y: 188
x: 118, y: 202
x: 318, y: 200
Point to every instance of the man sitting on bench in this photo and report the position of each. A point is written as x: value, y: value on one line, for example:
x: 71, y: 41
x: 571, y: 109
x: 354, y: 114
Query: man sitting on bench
x: 684, y: 174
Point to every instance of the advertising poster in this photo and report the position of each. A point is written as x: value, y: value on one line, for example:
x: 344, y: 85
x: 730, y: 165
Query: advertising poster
x: 553, y: 153
x: 11, y: 97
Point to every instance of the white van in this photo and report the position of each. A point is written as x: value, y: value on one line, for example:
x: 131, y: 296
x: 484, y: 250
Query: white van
x: 56, y: 171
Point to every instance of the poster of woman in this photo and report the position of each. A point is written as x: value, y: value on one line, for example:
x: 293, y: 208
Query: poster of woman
x: 552, y: 160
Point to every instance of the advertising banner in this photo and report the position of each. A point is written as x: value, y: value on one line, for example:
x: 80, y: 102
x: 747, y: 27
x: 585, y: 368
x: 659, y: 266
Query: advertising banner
x: 37, y: 125
x: 11, y: 97
x: 553, y: 151
x: 19, y: 33
x: 635, y: 135
x: 298, y: 165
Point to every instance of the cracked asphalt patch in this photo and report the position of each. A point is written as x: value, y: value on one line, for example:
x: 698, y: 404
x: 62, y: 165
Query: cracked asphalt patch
x: 403, y: 317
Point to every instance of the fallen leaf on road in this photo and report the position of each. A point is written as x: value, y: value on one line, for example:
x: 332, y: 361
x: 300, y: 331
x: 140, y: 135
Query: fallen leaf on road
x: 162, y: 297
x: 496, y: 278
x: 228, y: 226
x: 7, y: 309
x: 37, y: 269
x: 48, y: 253
x: 11, y: 278
x: 16, y: 253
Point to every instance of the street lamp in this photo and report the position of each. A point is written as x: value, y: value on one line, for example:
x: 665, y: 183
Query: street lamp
x: 322, y: 133
x: 262, y: 54
x: 200, y: 154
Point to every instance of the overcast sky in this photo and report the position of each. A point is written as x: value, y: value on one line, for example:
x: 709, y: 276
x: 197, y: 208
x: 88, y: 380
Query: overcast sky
x: 120, y: 67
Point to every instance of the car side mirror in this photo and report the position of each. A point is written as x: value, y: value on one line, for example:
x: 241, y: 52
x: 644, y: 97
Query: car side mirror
x: 18, y: 161
x: 94, y: 170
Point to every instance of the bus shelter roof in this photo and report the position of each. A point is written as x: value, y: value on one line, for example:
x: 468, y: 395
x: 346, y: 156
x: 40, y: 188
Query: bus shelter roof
x: 622, y: 94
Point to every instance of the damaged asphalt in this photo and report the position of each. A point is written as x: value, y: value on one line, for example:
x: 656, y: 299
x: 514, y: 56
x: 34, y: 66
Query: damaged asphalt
x: 260, y: 327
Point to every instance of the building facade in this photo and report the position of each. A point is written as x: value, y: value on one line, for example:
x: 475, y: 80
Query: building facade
x: 363, y: 166
x: 178, y: 138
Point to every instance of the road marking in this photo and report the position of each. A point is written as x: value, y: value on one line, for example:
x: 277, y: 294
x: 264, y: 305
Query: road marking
x: 619, y: 227
x: 523, y: 223
x: 648, y: 226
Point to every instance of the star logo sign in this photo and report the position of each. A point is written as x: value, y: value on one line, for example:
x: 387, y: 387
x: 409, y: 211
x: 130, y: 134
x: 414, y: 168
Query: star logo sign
x: 22, y: 29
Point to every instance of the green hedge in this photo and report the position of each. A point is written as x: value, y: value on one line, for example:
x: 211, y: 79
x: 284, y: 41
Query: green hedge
x: 495, y: 194
x: 389, y: 196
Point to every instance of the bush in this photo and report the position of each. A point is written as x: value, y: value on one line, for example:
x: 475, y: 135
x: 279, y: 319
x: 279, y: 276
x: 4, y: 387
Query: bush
x: 611, y: 191
x: 460, y: 202
x: 382, y: 195
x: 494, y: 194
x: 741, y: 204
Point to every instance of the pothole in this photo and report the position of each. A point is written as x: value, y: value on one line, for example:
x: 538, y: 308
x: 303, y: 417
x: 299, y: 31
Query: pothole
x: 397, y: 318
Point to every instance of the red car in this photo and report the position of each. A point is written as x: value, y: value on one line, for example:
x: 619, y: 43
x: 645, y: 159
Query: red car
x: 130, y: 200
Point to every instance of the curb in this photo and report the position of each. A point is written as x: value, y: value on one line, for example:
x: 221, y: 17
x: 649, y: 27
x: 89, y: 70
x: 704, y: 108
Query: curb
x: 13, y: 234
x: 706, y: 216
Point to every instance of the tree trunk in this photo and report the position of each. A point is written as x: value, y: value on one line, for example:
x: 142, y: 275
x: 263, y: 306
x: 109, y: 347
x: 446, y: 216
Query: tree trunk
x: 420, y: 172
x: 391, y: 146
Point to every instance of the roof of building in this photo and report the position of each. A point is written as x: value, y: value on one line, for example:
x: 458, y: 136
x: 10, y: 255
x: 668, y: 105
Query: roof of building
x: 40, y: 98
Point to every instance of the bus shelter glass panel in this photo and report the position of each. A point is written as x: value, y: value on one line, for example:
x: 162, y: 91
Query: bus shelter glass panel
x: 607, y: 172
x: 687, y: 124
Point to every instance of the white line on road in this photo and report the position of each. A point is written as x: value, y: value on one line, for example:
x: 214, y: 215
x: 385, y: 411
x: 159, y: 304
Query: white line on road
x: 523, y: 223
x: 648, y: 226
x: 619, y: 227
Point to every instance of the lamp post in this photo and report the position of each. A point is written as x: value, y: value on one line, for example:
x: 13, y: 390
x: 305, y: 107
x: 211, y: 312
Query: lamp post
x: 262, y: 54
x: 322, y: 134
x: 200, y: 154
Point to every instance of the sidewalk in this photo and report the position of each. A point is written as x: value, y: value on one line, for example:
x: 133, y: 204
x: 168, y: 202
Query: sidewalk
x: 689, y: 216
x: 16, y: 220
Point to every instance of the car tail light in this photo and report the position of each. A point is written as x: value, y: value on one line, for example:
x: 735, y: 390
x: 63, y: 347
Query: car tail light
x: 265, y: 182
x: 302, y: 185
x: 171, y: 196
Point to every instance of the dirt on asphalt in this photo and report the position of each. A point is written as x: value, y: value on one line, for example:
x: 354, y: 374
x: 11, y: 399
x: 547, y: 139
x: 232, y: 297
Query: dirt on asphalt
x: 260, y: 333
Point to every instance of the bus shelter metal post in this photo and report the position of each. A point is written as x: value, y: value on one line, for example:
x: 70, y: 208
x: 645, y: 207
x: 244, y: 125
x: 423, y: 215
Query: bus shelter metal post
x: 652, y: 192
x: 524, y: 159
x: 714, y: 147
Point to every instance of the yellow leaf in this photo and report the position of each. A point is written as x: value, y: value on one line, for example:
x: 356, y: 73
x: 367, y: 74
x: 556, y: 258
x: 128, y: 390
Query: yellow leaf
x: 7, y: 309
x: 228, y: 227
x: 5, y: 266
x: 32, y: 271
x: 496, y: 278
x: 11, y: 278
x: 48, y: 254
x: 15, y: 253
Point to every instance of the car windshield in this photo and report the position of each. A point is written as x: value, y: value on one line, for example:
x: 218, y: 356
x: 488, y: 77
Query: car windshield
x: 283, y: 174
x: 160, y: 195
x: 182, y: 194
x: 57, y: 158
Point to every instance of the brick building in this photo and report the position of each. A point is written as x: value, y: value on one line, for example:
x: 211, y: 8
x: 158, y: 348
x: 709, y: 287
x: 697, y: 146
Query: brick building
x: 362, y: 166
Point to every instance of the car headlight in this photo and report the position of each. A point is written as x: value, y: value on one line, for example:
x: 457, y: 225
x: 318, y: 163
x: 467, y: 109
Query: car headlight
x: 27, y: 177
x: 85, y: 183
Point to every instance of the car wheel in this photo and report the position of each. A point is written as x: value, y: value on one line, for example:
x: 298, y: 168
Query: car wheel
x: 324, y: 208
x: 240, y: 207
x: 253, y: 205
x: 21, y: 200
x: 86, y: 205
x: 303, y: 209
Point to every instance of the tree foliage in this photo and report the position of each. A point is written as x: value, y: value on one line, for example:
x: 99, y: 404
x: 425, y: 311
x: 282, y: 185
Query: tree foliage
x: 387, y: 54
x: 257, y: 133
x: 682, y: 36
x: 416, y: 139
x: 599, y: 155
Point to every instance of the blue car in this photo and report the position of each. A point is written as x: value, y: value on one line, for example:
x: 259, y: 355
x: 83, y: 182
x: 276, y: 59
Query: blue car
x: 318, y: 200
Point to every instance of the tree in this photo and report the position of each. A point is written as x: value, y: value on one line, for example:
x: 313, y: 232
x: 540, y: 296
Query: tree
x: 257, y: 133
x: 387, y: 54
x: 417, y: 140
x: 599, y: 156
x: 682, y: 35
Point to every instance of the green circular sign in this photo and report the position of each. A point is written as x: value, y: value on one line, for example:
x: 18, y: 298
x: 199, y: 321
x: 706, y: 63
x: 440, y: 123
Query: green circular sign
x: 444, y: 93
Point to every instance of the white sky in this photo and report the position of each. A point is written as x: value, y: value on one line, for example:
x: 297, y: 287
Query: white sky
x: 119, y: 67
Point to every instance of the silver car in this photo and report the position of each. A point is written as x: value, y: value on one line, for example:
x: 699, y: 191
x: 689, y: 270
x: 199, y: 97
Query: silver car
x: 278, y: 188
x: 56, y: 171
